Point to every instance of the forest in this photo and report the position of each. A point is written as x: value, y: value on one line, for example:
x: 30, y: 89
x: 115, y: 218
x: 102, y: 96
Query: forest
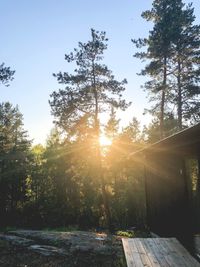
x: 83, y: 177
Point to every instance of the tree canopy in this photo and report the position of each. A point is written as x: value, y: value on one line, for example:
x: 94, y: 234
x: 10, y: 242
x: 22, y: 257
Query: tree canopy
x: 90, y: 89
x: 173, y: 61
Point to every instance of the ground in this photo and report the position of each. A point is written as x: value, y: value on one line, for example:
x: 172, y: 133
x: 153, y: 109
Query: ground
x: 27, y: 248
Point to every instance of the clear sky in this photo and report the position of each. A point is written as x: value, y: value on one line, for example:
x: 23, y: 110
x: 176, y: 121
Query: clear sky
x: 35, y: 35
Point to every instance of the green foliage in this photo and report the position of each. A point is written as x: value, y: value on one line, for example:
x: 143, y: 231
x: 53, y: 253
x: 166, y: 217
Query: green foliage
x: 14, y: 161
x: 129, y: 234
x: 136, y: 233
x: 89, y: 90
x: 87, y: 93
x: 172, y: 55
x: 61, y: 187
x: 170, y: 126
x: 72, y: 180
x: 112, y: 126
x: 6, y: 74
x: 132, y: 131
x: 72, y: 183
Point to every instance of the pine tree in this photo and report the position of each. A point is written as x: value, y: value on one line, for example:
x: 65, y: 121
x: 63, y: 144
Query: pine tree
x: 90, y: 89
x: 112, y: 126
x: 14, y: 159
x: 132, y: 131
x: 151, y: 133
x: 88, y: 92
x: 158, y: 53
x: 174, y: 41
x: 186, y: 58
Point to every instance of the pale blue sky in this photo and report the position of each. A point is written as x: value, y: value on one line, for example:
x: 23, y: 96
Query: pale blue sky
x: 35, y: 35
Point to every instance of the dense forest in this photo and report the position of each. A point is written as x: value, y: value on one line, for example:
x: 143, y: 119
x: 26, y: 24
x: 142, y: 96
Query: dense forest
x: 83, y: 176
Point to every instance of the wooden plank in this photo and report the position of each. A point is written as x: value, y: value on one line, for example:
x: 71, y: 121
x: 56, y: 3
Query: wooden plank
x: 160, y: 255
x: 154, y: 261
x: 174, y: 254
x: 128, y: 253
x: 157, y: 252
x: 183, y: 253
x: 164, y: 250
x: 135, y: 253
x: 141, y: 249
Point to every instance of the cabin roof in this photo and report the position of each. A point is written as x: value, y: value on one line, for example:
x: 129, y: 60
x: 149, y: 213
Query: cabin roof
x: 185, y: 142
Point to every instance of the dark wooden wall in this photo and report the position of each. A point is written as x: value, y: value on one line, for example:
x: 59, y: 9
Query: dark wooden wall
x: 168, y: 212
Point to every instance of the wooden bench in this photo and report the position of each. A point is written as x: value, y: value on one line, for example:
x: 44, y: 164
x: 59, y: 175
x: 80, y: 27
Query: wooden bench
x: 157, y: 252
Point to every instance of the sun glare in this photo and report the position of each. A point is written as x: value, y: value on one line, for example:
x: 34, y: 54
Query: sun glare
x: 105, y: 141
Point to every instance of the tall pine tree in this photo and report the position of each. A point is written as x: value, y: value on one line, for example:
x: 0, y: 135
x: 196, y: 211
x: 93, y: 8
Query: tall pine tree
x: 186, y: 59
x: 173, y: 55
x: 158, y: 54
x: 88, y: 92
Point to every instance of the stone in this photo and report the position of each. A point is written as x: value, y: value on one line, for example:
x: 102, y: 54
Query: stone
x: 16, y: 240
x: 48, y: 250
x: 73, y: 242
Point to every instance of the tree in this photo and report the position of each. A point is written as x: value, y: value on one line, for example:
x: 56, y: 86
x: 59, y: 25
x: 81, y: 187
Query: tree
x: 151, y: 133
x: 90, y: 89
x: 14, y: 160
x: 186, y: 58
x: 37, y: 181
x: 159, y: 53
x: 6, y: 74
x: 123, y: 175
x: 132, y: 131
x: 174, y: 41
x: 112, y: 126
x: 70, y: 182
x: 88, y: 92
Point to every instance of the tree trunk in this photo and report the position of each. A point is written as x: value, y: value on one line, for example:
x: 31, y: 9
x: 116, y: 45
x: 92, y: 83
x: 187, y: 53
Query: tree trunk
x: 162, y: 108
x: 99, y: 156
x: 103, y: 183
x: 198, y: 177
x: 179, y: 104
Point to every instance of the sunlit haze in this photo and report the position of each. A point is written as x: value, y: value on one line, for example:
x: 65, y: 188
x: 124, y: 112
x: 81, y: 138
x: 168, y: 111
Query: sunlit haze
x: 105, y: 141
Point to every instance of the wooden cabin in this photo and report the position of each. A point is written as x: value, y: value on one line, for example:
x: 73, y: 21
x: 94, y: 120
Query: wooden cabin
x: 171, y: 171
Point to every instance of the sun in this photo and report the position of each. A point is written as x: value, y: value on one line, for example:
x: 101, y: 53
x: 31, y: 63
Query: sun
x: 104, y: 141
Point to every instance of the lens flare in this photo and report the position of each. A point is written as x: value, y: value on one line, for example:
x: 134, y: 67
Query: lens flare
x: 105, y: 141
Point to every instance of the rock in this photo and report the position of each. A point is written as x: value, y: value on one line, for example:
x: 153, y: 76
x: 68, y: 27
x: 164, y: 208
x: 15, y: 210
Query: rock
x: 73, y: 242
x: 81, y: 248
x: 16, y: 240
x: 77, y: 248
x: 48, y: 250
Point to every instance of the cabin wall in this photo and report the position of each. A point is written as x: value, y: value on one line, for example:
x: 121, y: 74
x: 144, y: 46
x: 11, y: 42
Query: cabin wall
x: 193, y: 181
x: 166, y: 195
